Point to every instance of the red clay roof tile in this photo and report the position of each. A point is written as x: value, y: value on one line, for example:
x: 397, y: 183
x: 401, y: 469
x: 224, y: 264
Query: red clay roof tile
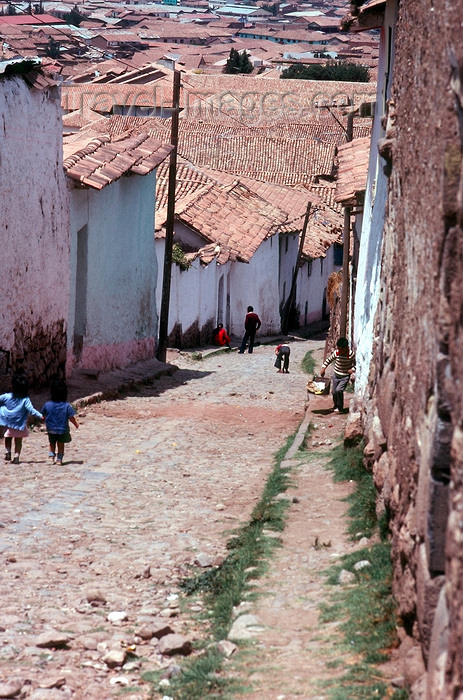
x: 352, y: 170
x: 97, y: 161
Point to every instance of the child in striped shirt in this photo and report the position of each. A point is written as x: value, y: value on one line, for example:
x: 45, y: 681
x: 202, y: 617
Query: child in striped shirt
x: 344, y: 367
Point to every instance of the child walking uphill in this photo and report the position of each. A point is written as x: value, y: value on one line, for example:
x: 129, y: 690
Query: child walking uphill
x: 57, y: 413
x: 344, y: 367
x: 15, y: 408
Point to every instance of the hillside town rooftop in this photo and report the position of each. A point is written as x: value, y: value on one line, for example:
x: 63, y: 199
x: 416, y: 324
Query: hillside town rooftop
x: 352, y: 171
x: 266, y: 199
x: 96, y: 161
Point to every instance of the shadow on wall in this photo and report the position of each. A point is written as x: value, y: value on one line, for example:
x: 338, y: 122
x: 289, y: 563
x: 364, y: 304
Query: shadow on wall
x: 38, y: 351
x: 193, y: 337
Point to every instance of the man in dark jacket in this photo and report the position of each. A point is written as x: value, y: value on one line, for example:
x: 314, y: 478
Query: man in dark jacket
x: 251, y: 325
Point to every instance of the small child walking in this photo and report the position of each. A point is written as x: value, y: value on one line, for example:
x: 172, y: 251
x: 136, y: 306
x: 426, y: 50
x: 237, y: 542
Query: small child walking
x: 57, y: 413
x: 15, y: 408
x: 344, y: 368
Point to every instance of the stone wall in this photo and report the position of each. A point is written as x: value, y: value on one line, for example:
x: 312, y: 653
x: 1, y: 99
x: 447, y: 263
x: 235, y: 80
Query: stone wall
x: 414, y: 416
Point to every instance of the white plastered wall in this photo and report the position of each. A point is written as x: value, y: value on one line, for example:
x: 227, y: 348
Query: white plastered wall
x: 34, y: 228
x: 369, y: 267
x: 121, y: 272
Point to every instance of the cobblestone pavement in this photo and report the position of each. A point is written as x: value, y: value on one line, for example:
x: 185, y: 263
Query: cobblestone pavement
x: 150, y: 481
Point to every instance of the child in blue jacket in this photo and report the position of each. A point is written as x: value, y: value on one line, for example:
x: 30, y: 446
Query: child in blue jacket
x: 15, y: 408
x: 58, y: 412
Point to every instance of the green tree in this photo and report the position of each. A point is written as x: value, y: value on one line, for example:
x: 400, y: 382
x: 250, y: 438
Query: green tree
x: 238, y: 62
x: 231, y: 65
x: 332, y: 70
x: 245, y: 64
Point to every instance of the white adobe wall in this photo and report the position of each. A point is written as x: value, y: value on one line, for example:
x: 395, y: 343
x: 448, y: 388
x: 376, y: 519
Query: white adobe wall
x: 289, y: 245
x: 121, y: 325
x: 257, y: 284
x: 193, y: 296
x: 194, y: 292
x: 34, y: 261
x: 310, y: 288
x: 369, y: 265
x: 194, y: 301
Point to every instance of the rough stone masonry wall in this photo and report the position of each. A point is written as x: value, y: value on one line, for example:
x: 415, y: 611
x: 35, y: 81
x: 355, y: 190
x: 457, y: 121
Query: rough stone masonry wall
x: 415, y: 426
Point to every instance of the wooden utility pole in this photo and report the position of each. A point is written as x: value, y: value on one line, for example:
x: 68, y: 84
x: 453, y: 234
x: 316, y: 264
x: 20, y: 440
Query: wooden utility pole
x: 164, y: 313
x: 289, y: 304
x: 346, y: 246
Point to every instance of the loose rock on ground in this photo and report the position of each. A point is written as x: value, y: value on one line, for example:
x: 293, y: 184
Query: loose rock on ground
x: 93, y: 552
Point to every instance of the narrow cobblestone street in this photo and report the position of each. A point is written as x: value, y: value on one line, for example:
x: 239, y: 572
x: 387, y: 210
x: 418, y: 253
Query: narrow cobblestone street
x: 150, y: 481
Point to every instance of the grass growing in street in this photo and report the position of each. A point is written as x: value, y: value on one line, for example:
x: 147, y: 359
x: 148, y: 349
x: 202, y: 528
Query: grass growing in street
x: 368, y: 607
x: 308, y: 363
x: 347, y: 465
x: 229, y: 584
x: 365, y: 609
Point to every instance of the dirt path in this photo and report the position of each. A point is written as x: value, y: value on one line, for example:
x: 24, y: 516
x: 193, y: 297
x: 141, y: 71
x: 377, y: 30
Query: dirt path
x: 293, y: 649
x: 150, y: 482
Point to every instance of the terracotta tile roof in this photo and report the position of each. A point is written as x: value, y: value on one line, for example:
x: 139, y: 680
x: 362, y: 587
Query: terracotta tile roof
x: 165, y: 29
x: 268, y: 99
x: 189, y: 179
x: 326, y: 190
x: 37, y: 76
x: 103, y: 97
x: 369, y: 16
x: 120, y: 37
x: 10, y: 31
x: 325, y: 224
x: 323, y: 21
x: 320, y: 236
x: 22, y: 19
x: 40, y: 79
x: 116, y: 126
x: 300, y: 35
x: 249, y: 218
x: 98, y: 161
x: 46, y: 32
x: 352, y: 170
x: 284, y: 154
x: 22, y: 46
x: 80, y: 118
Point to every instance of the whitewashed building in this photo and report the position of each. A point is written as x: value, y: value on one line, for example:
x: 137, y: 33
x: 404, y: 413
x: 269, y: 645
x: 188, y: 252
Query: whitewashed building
x: 374, y: 210
x: 78, y: 264
x: 240, y: 241
x: 34, y: 262
x: 112, y: 311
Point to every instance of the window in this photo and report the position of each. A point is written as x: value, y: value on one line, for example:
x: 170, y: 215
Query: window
x: 309, y: 268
